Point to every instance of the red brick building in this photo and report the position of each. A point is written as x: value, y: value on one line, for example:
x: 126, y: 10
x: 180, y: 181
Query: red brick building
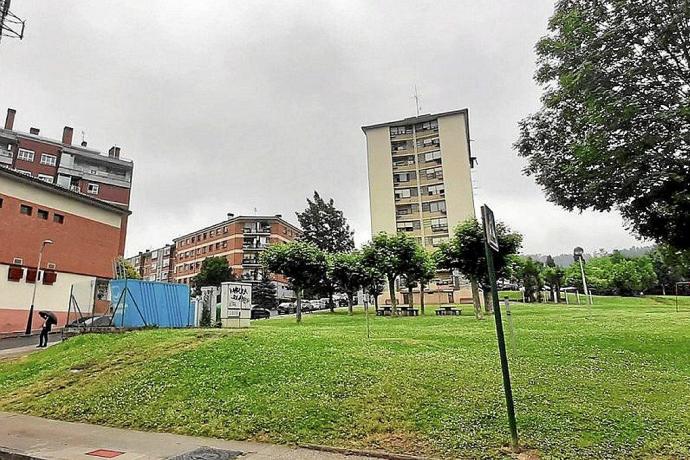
x: 155, y: 264
x: 78, y: 168
x: 240, y: 239
x: 87, y: 234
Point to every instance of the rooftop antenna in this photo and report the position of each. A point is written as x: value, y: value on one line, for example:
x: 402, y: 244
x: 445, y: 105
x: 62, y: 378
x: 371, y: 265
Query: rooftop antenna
x: 416, y: 100
x: 10, y: 24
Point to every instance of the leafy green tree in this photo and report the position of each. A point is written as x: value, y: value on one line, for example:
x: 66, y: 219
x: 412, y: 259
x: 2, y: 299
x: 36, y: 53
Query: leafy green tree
x: 131, y: 272
x: 426, y: 273
x: 302, y: 263
x: 264, y: 293
x: 324, y: 226
x: 465, y: 252
x: 419, y: 271
x: 349, y: 274
x: 214, y: 270
x: 373, y: 283
x: 670, y: 266
x: 532, y: 279
x: 615, y: 274
x: 613, y: 128
x: 554, y: 277
x: 389, y: 255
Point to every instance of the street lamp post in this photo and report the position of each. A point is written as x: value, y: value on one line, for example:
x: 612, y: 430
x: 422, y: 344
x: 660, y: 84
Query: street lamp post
x: 33, y: 296
x: 578, y: 256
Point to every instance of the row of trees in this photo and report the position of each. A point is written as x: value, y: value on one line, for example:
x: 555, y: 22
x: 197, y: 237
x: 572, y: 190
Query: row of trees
x: 611, y: 274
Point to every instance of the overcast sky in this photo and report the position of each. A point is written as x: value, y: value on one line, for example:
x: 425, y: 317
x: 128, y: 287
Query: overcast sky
x: 232, y: 106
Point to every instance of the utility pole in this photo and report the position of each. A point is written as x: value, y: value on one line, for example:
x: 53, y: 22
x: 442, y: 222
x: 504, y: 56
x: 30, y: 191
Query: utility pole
x: 33, y: 296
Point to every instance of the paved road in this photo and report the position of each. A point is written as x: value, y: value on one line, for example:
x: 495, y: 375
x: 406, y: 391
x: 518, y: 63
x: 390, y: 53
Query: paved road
x: 24, y: 341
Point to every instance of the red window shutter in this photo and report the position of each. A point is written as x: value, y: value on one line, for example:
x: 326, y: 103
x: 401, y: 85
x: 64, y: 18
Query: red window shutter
x: 49, y: 277
x: 31, y: 275
x: 15, y: 273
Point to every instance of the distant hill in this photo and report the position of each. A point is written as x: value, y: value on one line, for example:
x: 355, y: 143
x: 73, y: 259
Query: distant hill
x: 563, y: 260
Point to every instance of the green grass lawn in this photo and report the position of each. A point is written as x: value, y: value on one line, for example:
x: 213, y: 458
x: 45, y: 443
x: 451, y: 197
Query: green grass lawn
x: 613, y: 384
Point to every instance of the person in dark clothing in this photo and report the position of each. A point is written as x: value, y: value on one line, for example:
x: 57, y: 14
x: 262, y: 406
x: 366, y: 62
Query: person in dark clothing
x: 48, y: 322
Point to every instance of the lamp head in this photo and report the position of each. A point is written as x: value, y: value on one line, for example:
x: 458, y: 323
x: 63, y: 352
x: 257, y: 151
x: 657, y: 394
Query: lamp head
x: 577, y: 253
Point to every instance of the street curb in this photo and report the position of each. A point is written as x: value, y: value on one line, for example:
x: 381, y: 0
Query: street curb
x: 9, y: 454
x: 363, y: 453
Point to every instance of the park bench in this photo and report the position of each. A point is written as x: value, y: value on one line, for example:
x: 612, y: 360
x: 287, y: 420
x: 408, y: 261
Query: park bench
x: 448, y: 310
x: 407, y: 311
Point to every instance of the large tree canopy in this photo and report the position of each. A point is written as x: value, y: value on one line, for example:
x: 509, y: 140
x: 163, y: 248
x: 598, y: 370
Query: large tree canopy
x: 324, y: 226
x: 614, y: 128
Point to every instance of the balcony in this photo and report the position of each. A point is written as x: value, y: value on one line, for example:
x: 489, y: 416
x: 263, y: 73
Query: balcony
x: 257, y: 230
x: 251, y: 261
x: 428, y: 148
x: 254, y: 246
x: 5, y: 157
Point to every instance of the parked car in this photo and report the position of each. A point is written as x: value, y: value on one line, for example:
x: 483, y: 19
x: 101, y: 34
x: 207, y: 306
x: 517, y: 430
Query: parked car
x: 260, y: 313
x: 286, y: 308
x: 307, y: 306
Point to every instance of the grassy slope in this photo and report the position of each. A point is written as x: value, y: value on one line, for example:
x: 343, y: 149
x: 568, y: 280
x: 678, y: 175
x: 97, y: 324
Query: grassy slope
x: 615, y: 385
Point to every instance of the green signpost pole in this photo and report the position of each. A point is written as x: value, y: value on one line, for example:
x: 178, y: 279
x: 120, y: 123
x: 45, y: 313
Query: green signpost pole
x: 490, y: 240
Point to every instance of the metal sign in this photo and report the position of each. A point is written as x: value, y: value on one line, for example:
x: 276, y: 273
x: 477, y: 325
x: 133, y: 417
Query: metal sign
x: 490, y: 227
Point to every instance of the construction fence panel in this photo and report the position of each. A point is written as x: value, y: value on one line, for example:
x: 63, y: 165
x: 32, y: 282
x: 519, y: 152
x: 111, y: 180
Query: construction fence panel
x: 138, y: 303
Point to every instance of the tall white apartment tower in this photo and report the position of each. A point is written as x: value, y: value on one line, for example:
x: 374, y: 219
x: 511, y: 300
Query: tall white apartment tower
x: 420, y: 178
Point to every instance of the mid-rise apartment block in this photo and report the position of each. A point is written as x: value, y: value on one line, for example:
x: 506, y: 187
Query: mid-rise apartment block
x: 155, y: 264
x: 80, y: 236
x: 240, y: 239
x: 420, y: 178
x: 78, y: 168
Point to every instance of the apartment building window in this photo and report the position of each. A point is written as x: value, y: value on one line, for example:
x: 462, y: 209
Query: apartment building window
x: 434, y: 206
x: 405, y: 193
x: 225, y: 244
x: 433, y: 173
x: 408, y: 226
x: 404, y: 161
x: 92, y: 188
x: 42, y: 214
x: 25, y: 172
x: 58, y: 218
x: 50, y: 160
x: 427, y: 125
x: 404, y: 177
x: 436, y: 241
x: 26, y: 210
x: 26, y: 155
x: 440, y: 223
x: 225, y: 229
x: 431, y: 156
x: 438, y: 189
x: 430, y: 142
x: 45, y: 178
x: 398, y: 130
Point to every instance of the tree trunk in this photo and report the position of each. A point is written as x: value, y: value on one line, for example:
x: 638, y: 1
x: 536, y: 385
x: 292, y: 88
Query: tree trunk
x: 330, y: 301
x: 421, y: 298
x: 475, y: 300
x: 488, y: 302
x: 409, y: 294
x: 663, y: 289
x: 299, y: 306
x: 391, y: 292
x: 349, y: 304
x: 376, y: 303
